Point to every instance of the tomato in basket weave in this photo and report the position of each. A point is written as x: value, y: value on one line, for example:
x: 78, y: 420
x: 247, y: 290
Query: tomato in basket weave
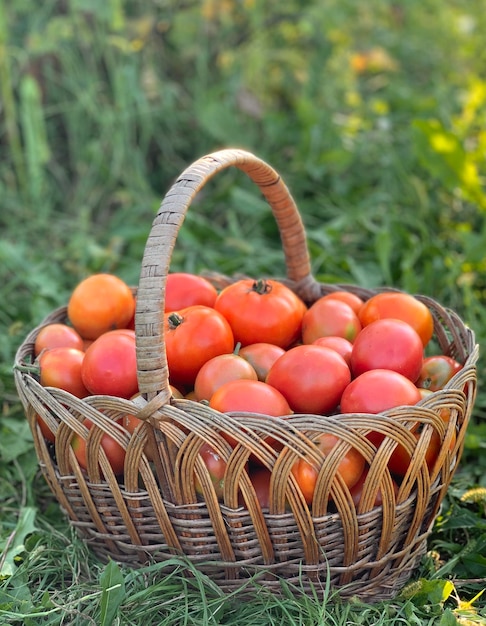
x: 62, y: 368
x: 57, y: 335
x: 350, y: 467
x: 436, y: 371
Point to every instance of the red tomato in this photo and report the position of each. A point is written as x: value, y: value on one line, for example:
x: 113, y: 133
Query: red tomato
x: 351, y: 299
x: 45, y: 430
x: 261, y: 356
x: 339, y: 344
x: 114, y: 452
x: 329, y: 316
x: 399, y: 461
x: 378, y: 390
x: 193, y: 336
x: 183, y: 290
x: 252, y: 396
x: 219, y: 370
x: 261, y: 311
x: 62, y: 368
x: 260, y: 479
x: 350, y: 467
x: 357, y: 490
x: 110, y: 366
x: 388, y: 344
x: 436, y: 371
x: 402, y: 306
x: 100, y: 303
x: 216, y: 467
x: 57, y: 335
x: 311, y: 378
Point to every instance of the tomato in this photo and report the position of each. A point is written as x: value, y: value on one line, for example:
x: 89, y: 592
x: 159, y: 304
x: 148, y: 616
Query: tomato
x: 400, y: 458
x: 311, y: 378
x: 341, y: 345
x: 388, y: 344
x: 110, y: 366
x: 219, y: 370
x: 193, y: 336
x: 261, y: 356
x: 252, y: 396
x: 377, y: 390
x: 261, y: 311
x: 357, y: 490
x: 329, y: 316
x: 57, y: 335
x: 260, y: 480
x: 100, y: 303
x: 62, y: 368
x: 115, y: 453
x: 216, y: 467
x: 183, y: 289
x: 351, y: 299
x: 436, y: 371
x: 350, y: 467
x: 402, y: 306
x: 45, y: 430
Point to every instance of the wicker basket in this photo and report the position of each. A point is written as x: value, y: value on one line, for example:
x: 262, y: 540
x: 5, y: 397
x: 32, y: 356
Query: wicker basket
x: 154, y: 513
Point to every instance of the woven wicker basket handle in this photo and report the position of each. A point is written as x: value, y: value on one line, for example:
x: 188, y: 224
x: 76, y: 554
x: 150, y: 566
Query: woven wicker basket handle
x: 151, y: 357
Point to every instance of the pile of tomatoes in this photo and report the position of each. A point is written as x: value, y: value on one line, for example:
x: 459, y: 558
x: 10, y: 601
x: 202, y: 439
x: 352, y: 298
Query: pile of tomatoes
x: 256, y: 347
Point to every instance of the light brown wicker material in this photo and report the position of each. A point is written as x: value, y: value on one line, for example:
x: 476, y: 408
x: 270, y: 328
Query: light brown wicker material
x: 155, y: 513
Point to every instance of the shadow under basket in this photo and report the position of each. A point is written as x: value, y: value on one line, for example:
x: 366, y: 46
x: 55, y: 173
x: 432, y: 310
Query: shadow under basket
x: 165, y: 505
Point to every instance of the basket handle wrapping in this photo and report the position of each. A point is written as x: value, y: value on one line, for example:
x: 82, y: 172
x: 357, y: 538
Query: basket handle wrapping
x: 153, y: 375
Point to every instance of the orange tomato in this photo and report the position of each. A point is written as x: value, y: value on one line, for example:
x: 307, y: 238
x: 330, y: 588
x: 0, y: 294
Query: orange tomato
x: 100, y: 303
x: 402, y: 306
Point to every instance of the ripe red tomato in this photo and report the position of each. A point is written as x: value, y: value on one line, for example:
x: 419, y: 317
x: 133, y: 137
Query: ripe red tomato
x: 261, y: 356
x: 216, y: 467
x: 377, y: 390
x: 311, y: 378
x: 45, y: 430
x: 350, y: 467
x: 357, y: 490
x: 436, y: 371
x: 183, y: 289
x: 110, y: 365
x: 219, y: 370
x: 400, y: 458
x: 388, y: 344
x: 260, y: 480
x: 402, y: 306
x: 261, y: 311
x: 100, y: 303
x: 351, y: 299
x: 57, y: 335
x: 330, y: 316
x: 193, y: 336
x: 252, y: 396
x: 115, y: 453
x: 341, y: 345
x: 62, y: 368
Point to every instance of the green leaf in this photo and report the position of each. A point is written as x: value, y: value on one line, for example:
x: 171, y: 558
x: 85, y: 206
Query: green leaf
x: 113, y: 593
x: 15, y: 439
x: 448, y: 619
x: 14, y: 545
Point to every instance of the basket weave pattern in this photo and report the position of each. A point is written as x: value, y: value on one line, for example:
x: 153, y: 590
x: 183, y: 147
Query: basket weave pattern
x: 154, y: 512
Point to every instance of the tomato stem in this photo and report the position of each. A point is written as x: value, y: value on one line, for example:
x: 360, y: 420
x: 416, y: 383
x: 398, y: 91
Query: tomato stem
x: 175, y: 320
x: 28, y: 369
x: 237, y: 348
x: 261, y: 286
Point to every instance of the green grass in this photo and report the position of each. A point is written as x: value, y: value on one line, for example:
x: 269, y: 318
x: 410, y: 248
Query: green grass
x: 374, y: 114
